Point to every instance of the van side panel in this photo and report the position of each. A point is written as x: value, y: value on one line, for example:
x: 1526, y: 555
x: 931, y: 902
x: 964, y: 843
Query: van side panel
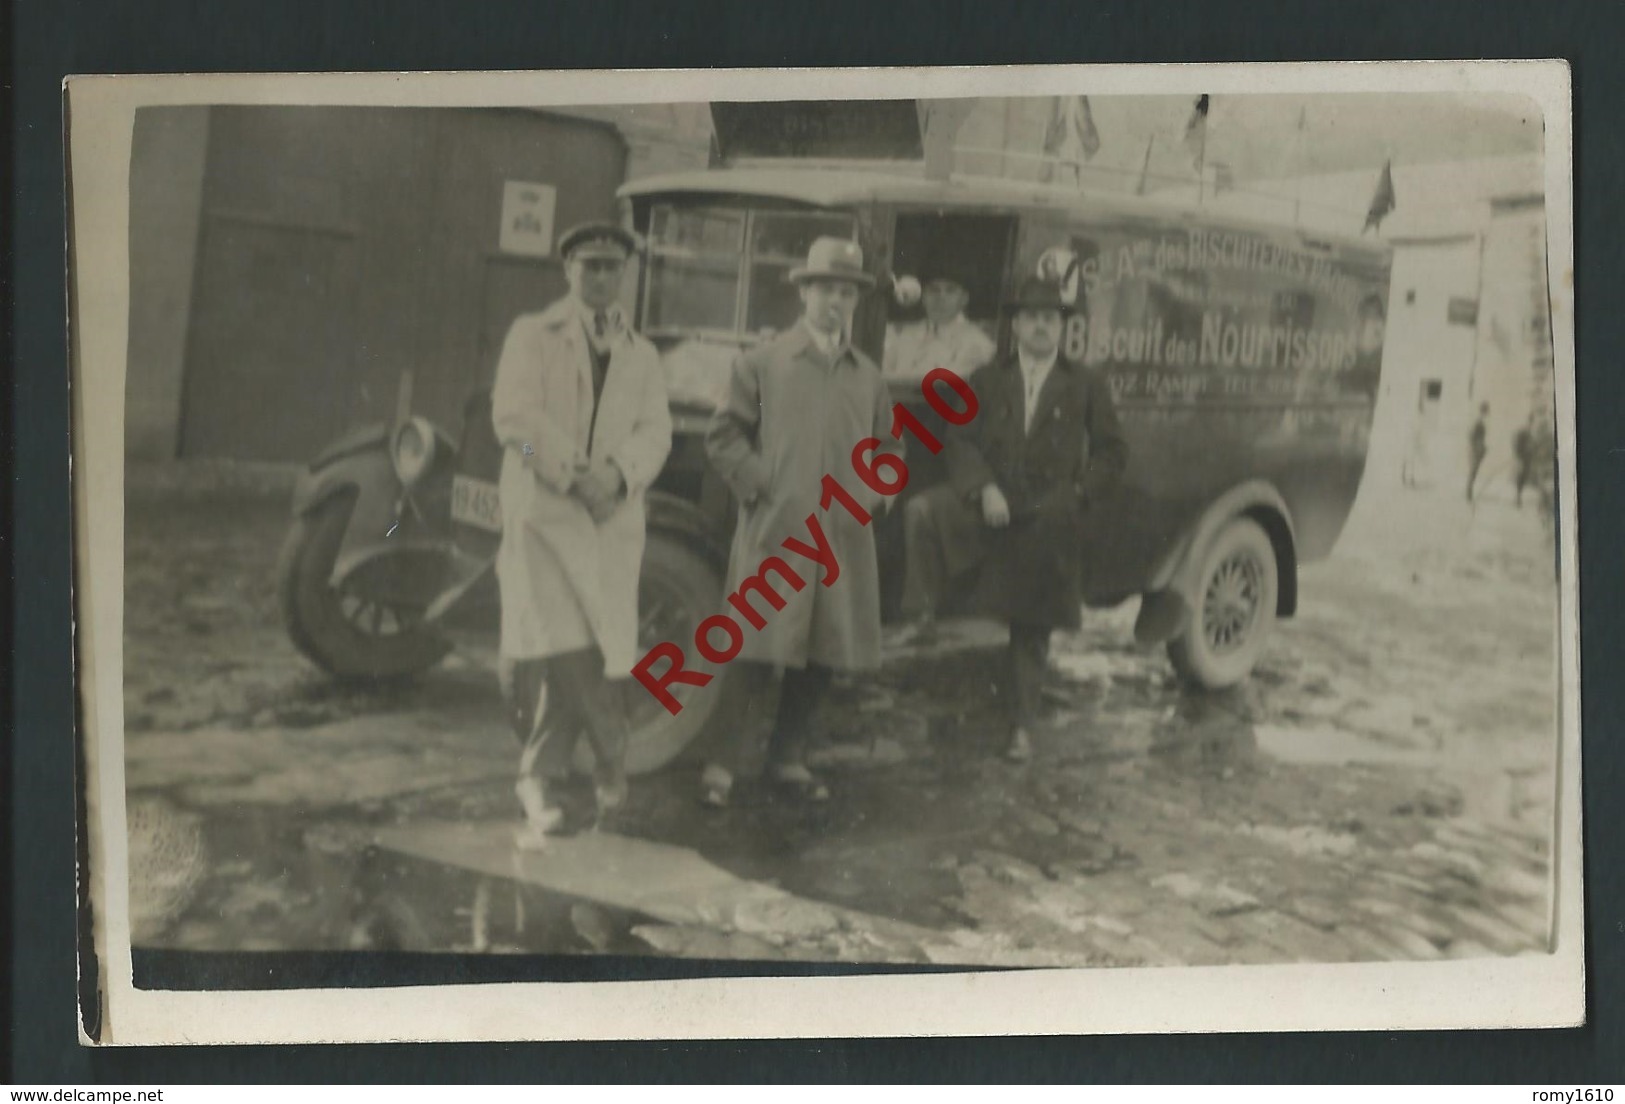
x: 1233, y: 355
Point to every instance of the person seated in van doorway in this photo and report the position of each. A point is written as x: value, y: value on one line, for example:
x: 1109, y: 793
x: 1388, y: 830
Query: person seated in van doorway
x: 579, y: 407
x: 793, y: 403
x: 945, y: 338
x: 1045, y: 444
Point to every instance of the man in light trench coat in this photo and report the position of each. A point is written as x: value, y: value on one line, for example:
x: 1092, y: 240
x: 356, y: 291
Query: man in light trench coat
x: 579, y: 406
x: 796, y: 407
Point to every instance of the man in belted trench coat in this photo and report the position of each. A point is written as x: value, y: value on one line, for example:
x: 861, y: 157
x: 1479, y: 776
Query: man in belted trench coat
x: 796, y: 407
x: 1045, y: 444
x: 579, y: 406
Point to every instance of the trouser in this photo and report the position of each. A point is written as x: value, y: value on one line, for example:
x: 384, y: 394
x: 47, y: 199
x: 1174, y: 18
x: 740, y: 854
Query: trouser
x: 801, y: 698
x: 1026, y: 661
x: 1473, y: 464
x: 580, y: 701
x: 943, y: 538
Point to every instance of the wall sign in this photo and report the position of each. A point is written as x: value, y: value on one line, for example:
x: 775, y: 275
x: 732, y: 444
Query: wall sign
x: 527, y: 218
x: 878, y: 129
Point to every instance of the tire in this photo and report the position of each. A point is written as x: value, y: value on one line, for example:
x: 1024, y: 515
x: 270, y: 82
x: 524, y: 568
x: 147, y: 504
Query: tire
x: 335, y: 630
x: 1232, y: 608
x: 677, y: 589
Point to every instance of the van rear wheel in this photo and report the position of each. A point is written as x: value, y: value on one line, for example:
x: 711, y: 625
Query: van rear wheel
x: 1233, y: 611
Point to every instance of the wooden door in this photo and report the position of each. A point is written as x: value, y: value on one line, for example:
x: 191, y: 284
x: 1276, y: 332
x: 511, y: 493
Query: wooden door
x: 270, y: 348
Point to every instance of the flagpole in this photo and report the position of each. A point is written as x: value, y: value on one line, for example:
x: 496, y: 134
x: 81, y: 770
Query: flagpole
x: 1297, y: 197
x: 1004, y: 146
x: 1201, y: 165
x: 1201, y: 156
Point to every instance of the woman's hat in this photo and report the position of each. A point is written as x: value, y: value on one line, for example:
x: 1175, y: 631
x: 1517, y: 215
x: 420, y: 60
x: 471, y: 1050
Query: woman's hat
x: 833, y: 259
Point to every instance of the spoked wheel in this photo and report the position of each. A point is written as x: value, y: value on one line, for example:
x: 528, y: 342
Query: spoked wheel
x: 340, y: 629
x: 378, y: 619
x: 1234, y: 610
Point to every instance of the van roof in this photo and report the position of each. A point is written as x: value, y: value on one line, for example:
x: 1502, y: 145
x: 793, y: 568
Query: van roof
x: 821, y: 187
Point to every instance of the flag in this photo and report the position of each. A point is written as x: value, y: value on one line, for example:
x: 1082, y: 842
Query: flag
x: 1071, y: 130
x: 1382, y: 201
x: 1196, y: 132
x: 1145, y: 167
x: 1223, y: 178
x: 940, y: 121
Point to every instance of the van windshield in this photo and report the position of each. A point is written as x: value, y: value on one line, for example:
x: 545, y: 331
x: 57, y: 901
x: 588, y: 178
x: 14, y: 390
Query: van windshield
x: 724, y: 271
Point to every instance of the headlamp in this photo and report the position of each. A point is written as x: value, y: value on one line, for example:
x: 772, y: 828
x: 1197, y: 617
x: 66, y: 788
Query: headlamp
x: 414, y: 450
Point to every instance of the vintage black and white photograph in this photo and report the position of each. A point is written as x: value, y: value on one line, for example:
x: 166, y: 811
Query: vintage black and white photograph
x: 1104, y: 527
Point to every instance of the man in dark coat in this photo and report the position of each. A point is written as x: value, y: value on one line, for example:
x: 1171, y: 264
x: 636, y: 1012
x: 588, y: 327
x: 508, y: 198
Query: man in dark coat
x: 1045, y: 444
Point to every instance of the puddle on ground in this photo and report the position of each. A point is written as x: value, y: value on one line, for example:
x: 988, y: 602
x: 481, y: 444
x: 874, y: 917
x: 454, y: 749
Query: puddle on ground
x: 1323, y: 745
x: 918, y: 808
x: 912, y: 803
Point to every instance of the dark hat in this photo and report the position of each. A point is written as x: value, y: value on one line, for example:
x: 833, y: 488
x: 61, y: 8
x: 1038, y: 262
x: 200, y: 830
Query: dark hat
x: 597, y: 239
x: 833, y: 259
x: 941, y: 268
x: 1037, y: 293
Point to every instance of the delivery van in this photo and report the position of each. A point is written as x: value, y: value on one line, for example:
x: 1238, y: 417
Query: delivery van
x: 1243, y: 359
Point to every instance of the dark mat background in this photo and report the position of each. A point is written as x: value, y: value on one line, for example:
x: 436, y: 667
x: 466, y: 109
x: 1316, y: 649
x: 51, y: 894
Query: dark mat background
x: 48, y: 41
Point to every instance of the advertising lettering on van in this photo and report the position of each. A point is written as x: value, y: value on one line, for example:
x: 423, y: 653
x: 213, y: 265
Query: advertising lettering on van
x: 1218, y: 300
x: 1199, y: 250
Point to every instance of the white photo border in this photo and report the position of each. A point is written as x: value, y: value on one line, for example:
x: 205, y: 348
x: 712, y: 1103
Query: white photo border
x: 1540, y: 990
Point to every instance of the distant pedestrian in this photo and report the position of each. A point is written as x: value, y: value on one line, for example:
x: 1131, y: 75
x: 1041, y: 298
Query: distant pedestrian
x: 1415, y: 449
x: 1477, y: 446
x: 1523, y: 453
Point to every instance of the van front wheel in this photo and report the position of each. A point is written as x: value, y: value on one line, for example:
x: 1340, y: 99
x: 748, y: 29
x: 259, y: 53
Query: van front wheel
x: 1233, y: 608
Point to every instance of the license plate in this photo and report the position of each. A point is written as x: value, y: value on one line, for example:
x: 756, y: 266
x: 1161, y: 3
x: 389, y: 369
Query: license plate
x: 476, y: 502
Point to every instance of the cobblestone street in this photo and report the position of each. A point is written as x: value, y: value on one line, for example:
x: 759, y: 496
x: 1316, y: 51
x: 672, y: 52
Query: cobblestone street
x: 1381, y: 789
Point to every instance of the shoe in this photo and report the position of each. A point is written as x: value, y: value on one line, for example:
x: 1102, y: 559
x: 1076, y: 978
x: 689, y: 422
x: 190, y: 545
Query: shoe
x: 918, y: 634
x: 716, y: 786
x: 540, y: 817
x: 611, y: 795
x: 796, y: 776
x: 527, y: 837
x: 1021, y: 747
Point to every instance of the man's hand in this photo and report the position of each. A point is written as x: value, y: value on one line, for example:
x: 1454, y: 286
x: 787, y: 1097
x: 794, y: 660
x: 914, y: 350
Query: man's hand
x: 598, y: 487
x: 995, y: 510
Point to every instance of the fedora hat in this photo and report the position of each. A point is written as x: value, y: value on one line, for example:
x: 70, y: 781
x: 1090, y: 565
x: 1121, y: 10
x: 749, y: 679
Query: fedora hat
x: 833, y: 259
x: 597, y: 239
x: 1037, y: 293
